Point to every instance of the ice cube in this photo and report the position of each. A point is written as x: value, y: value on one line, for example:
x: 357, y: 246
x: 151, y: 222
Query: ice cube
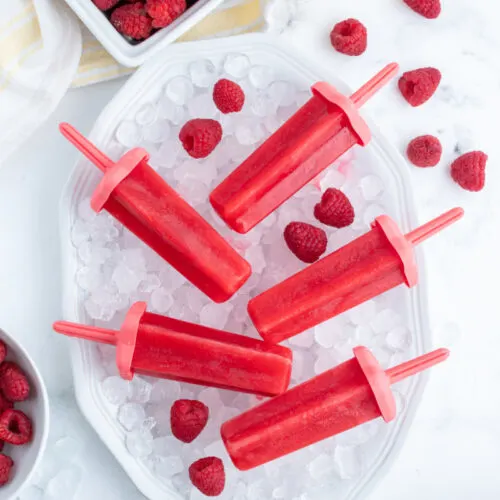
x: 168, y: 466
x: 127, y: 279
x: 116, y: 390
x: 157, y: 132
x: 237, y: 65
x: 65, y: 484
x: 285, y: 112
x: 399, y: 338
x: 304, y: 339
x: 134, y: 258
x: 194, y: 192
x: 272, y: 123
x: 256, y: 257
x: 167, y: 446
x: 202, y: 106
x: 172, y: 112
x: 385, y: 321
x: 150, y: 283
x: 131, y: 415
x: 211, y: 398
x: 364, y: 335
x: 179, y: 90
x: 161, y: 300
x: 371, y: 187
x: 165, y: 390
x: 363, y: 313
x: 85, y: 211
x: 332, y: 179
x: 89, y: 278
x: 263, y: 105
x: 140, y: 390
x: 261, y: 76
x: 67, y: 449
x: 128, y: 134
x: 146, y: 115
x: 140, y: 443
x: 347, y: 463
x: 248, y: 132
x: 282, y: 93
x: 321, y: 467
x: 172, y: 279
x: 203, y: 73
x: 302, y: 97
x: 325, y: 361
x: 258, y: 490
x: 215, y: 315
x: 324, y: 336
x: 79, y: 233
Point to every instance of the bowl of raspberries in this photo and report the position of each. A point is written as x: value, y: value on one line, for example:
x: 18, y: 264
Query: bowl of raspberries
x: 24, y: 417
x: 133, y: 30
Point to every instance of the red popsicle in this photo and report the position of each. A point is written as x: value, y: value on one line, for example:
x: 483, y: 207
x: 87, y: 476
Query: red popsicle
x: 327, y: 126
x: 379, y: 260
x: 339, y: 399
x: 157, y: 346
x: 145, y: 204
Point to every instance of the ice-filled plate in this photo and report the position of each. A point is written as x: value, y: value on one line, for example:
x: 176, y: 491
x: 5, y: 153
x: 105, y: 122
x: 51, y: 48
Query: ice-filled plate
x: 106, y: 269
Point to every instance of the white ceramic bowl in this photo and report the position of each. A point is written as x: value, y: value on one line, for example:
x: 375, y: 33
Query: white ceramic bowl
x: 134, y: 55
x: 27, y: 457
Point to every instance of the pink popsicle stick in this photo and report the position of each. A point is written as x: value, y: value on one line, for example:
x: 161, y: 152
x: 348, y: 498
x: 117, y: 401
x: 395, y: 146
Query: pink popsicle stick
x: 375, y: 84
x: 417, y: 365
x: 102, y: 335
x: 86, y: 147
x: 434, y: 226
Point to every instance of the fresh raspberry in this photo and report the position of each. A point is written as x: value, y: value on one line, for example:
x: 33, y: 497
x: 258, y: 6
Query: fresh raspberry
x: 200, y: 136
x: 105, y: 4
x: 5, y: 404
x: 469, y: 170
x: 6, y: 464
x: 419, y: 85
x: 228, y: 96
x: 335, y: 209
x: 306, y: 242
x: 3, y: 351
x: 15, y: 427
x: 349, y: 37
x: 187, y: 419
x: 131, y: 20
x: 425, y: 151
x: 13, y: 382
x: 208, y: 475
x: 165, y: 12
x: 427, y: 8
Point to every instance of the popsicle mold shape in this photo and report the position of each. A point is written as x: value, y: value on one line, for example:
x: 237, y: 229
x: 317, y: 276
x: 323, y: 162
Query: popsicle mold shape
x: 335, y: 401
x: 144, y: 203
x: 164, y: 347
x: 372, y: 264
x: 327, y: 126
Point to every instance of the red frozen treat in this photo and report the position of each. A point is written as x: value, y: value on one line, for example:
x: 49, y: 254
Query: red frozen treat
x: 339, y: 399
x: 133, y: 193
x: 157, y: 346
x: 322, y: 130
x: 372, y: 264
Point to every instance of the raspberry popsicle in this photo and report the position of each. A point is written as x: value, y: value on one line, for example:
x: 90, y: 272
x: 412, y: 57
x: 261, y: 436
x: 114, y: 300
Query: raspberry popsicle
x: 372, y: 264
x: 145, y: 204
x: 163, y: 347
x: 339, y: 399
x: 327, y: 126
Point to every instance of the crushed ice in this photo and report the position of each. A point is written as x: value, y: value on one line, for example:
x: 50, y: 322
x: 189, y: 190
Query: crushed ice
x: 116, y: 269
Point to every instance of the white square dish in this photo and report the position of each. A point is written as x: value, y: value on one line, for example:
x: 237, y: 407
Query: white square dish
x: 133, y: 55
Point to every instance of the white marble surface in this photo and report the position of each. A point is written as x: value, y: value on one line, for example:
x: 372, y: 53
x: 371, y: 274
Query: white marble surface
x: 452, y: 450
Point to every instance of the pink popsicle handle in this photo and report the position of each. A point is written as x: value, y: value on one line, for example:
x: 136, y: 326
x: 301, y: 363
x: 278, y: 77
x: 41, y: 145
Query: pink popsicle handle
x: 434, y: 226
x: 375, y: 84
x: 417, y: 365
x: 96, y: 156
x: 85, y: 332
